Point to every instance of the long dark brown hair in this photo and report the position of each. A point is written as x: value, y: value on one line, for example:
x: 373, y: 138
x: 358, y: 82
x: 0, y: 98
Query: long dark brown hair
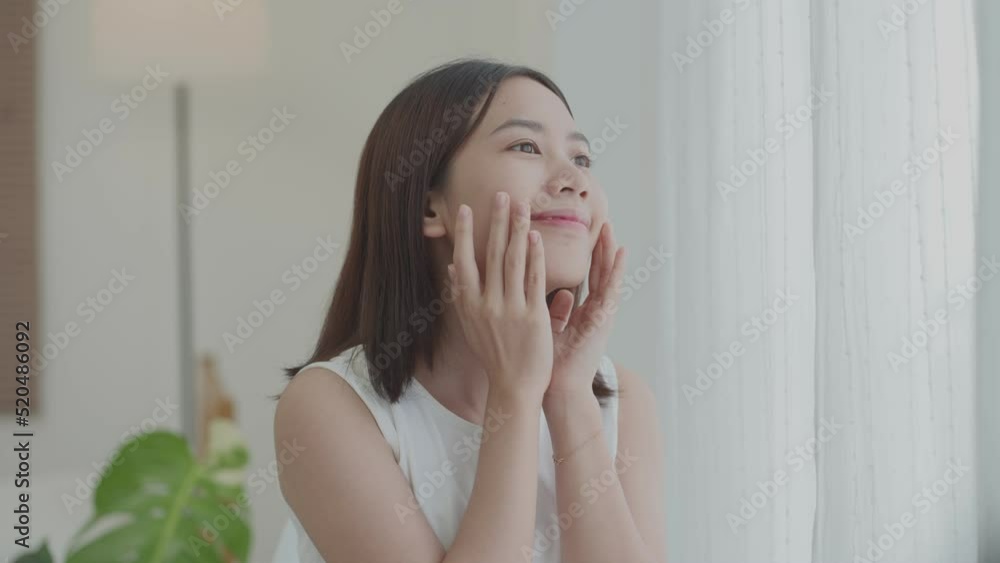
x: 385, y: 286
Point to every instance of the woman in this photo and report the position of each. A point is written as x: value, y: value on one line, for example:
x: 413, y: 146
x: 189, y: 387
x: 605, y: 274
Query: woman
x: 458, y: 406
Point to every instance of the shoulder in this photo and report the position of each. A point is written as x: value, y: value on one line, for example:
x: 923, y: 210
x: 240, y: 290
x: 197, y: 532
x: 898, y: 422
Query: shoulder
x: 320, y: 415
x: 312, y: 396
x: 638, y: 419
x: 641, y: 459
x: 340, y: 459
x: 632, y: 387
x: 326, y: 399
x: 319, y: 407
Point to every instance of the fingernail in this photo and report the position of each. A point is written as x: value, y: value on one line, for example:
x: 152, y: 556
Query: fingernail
x: 451, y: 271
x: 533, y: 237
x: 463, y: 210
x: 501, y: 198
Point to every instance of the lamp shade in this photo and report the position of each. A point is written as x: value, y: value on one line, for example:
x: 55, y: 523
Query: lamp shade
x: 190, y: 39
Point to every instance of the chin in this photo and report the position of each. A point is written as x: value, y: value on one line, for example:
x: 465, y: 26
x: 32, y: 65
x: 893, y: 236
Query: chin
x: 561, y: 275
x: 567, y: 262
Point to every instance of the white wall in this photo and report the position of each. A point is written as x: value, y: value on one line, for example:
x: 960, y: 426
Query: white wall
x: 116, y: 211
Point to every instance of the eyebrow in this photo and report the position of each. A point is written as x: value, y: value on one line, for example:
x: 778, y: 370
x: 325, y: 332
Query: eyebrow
x: 537, y: 128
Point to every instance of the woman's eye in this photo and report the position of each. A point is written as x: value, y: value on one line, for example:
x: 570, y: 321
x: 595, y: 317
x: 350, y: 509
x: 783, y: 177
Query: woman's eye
x: 531, y: 146
x: 583, y: 160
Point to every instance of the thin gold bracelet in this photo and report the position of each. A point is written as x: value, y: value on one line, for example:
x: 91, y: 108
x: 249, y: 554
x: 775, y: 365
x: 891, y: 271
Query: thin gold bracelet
x: 559, y: 460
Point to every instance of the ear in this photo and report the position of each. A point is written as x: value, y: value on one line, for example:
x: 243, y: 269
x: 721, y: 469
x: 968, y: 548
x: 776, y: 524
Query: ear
x: 435, y: 212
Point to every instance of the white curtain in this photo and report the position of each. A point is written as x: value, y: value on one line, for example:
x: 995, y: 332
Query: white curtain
x: 988, y: 309
x: 818, y: 185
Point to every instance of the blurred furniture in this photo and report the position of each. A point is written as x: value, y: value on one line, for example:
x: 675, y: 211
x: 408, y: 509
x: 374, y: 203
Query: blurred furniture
x: 213, y: 401
x: 18, y: 194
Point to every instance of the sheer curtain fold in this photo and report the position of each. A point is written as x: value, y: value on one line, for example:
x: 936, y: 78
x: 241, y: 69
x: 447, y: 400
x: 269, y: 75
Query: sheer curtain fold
x: 822, y: 182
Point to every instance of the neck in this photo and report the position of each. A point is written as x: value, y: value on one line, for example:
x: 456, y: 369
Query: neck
x: 458, y: 380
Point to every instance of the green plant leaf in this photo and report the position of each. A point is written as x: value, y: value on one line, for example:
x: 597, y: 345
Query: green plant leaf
x: 41, y: 555
x: 158, y: 504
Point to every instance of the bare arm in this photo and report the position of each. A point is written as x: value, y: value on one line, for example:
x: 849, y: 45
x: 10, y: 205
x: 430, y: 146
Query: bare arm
x: 501, y: 512
x: 613, y: 504
x: 354, y: 502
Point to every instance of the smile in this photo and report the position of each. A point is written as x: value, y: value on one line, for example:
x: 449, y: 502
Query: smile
x: 564, y: 220
x: 562, y: 223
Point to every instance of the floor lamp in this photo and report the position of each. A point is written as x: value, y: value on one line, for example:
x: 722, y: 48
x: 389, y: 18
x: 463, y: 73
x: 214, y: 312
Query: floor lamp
x: 195, y: 43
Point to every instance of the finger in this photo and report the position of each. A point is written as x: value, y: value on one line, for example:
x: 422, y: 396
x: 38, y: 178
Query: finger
x: 607, y: 255
x: 560, y: 309
x: 452, y: 278
x: 464, y: 253
x: 496, y: 247
x: 610, y: 290
x: 516, y: 255
x: 595, y: 263
x: 535, y: 282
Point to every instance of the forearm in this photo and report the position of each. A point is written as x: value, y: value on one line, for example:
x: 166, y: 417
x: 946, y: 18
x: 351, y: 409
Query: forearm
x: 500, y: 517
x: 600, y: 527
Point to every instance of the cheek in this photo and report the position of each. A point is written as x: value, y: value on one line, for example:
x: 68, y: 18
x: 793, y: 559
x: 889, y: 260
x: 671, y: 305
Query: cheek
x: 599, y: 204
x: 519, y: 177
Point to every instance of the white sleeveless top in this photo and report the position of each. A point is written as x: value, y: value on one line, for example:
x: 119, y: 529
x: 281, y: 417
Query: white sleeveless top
x: 438, y: 451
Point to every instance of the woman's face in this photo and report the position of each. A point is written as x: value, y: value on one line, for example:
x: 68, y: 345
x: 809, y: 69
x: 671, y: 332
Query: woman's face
x: 527, y: 145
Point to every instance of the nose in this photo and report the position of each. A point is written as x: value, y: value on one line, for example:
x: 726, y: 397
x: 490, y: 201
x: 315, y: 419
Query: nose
x: 566, y: 181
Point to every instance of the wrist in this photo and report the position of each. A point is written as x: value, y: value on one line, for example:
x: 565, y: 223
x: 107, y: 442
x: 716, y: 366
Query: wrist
x: 571, y: 419
x: 521, y: 397
x: 563, y: 403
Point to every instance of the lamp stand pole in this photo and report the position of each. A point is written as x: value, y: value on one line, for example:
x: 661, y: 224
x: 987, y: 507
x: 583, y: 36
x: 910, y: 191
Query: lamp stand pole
x: 188, y: 382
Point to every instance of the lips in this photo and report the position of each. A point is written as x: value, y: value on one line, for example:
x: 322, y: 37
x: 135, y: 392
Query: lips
x: 567, y: 217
